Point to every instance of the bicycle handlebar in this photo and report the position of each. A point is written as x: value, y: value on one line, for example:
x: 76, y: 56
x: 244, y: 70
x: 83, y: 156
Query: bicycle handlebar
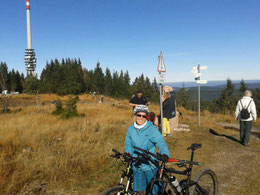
x: 115, y: 151
x: 146, y: 154
x: 128, y: 157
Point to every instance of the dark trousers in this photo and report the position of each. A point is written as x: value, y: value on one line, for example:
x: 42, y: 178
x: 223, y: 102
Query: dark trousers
x: 245, y: 130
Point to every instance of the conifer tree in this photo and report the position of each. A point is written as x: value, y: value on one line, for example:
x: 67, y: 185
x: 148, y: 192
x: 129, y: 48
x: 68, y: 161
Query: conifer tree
x: 127, y: 85
x: 256, y: 97
x: 3, y: 76
x: 13, y: 81
x: 98, y: 79
x: 31, y: 85
x: 121, y: 85
x: 20, y: 82
x: 108, y: 82
x: 148, y: 90
x: 155, y: 91
x: 155, y: 85
x: 138, y: 84
x: 182, y: 97
x: 63, y: 78
x: 115, y: 89
x: 226, y: 102
x: 243, y: 88
x: 87, y: 77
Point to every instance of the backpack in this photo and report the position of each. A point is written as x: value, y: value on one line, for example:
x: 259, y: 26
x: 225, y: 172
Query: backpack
x: 244, y: 114
x: 151, y: 117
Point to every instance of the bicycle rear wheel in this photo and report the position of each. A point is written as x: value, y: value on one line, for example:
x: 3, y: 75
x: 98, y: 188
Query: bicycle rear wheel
x: 207, y: 180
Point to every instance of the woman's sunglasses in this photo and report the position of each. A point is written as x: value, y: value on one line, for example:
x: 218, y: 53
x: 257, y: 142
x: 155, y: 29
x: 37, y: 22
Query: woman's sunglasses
x: 139, y: 115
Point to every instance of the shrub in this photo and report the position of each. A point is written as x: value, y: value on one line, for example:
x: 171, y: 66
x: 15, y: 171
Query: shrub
x: 59, y: 110
x: 71, y: 108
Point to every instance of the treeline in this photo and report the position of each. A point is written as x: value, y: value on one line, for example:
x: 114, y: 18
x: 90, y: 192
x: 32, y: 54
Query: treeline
x: 225, y: 104
x: 69, y: 77
x: 11, y: 80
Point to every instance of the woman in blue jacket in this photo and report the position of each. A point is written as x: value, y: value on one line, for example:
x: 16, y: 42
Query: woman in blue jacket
x: 145, y: 135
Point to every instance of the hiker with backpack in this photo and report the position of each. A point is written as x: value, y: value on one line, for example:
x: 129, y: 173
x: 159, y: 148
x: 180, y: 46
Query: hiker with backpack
x: 246, y: 113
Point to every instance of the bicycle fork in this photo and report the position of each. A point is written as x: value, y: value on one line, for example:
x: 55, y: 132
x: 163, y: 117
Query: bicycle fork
x: 128, y: 175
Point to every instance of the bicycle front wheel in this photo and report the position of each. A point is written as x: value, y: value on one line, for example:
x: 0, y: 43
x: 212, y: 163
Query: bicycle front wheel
x: 115, y: 190
x: 207, y: 183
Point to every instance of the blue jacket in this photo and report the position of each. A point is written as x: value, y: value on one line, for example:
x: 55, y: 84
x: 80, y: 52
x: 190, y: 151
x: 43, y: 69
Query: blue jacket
x: 146, y: 138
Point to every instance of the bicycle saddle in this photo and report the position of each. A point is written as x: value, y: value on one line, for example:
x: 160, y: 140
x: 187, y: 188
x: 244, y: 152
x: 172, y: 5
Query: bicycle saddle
x: 194, y: 146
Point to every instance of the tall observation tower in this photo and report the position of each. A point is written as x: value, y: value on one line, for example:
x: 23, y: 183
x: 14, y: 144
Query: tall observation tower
x: 30, y: 60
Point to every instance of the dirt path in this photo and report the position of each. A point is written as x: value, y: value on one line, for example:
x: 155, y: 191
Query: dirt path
x: 254, y: 128
x: 255, y: 131
x: 236, y: 166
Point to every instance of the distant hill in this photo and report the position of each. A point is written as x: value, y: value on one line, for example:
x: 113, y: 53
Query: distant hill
x: 220, y: 84
x: 212, y: 89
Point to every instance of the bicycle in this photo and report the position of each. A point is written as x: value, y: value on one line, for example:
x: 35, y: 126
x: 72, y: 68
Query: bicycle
x: 121, y: 188
x: 205, y: 182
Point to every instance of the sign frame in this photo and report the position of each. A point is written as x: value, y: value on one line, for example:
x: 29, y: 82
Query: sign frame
x: 161, y: 66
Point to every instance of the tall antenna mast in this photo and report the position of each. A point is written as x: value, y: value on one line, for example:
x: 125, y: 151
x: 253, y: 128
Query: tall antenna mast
x: 30, y: 60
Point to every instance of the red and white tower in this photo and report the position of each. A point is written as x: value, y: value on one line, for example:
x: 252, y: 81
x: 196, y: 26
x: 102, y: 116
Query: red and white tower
x: 30, y: 60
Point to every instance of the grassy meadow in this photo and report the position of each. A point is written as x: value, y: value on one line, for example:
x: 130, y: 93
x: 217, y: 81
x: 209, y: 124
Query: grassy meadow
x: 43, y: 154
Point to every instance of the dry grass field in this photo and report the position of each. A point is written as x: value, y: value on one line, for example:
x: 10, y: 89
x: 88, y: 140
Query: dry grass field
x: 42, y: 154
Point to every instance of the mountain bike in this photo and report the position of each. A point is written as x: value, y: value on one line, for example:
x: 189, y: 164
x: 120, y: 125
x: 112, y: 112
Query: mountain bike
x: 205, y: 182
x: 121, y: 188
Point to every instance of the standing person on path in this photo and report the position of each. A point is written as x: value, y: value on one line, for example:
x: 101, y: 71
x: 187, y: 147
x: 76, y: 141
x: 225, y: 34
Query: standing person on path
x: 167, y: 110
x: 246, y: 113
x: 145, y: 135
x: 138, y: 99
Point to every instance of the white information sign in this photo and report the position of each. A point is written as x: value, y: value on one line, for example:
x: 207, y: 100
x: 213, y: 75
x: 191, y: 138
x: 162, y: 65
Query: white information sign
x: 203, y: 67
x: 161, y: 78
x: 194, y: 70
x: 202, y: 82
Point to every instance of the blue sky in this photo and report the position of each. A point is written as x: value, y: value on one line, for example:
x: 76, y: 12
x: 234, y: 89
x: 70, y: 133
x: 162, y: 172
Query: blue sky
x: 129, y: 35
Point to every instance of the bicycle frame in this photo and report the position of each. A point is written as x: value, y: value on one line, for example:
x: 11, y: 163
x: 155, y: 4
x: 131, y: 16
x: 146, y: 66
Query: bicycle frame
x: 164, y: 179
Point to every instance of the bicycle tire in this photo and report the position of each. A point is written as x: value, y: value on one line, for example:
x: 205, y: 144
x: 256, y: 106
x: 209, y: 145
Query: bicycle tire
x: 207, y: 179
x: 114, y: 190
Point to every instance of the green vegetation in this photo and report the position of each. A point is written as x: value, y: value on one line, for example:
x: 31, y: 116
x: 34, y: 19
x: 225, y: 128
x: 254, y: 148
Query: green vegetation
x: 68, y: 77
x: 70, y: 109
x: 59, y: 109
x: 224, y: 104
x: 11, y: 80
x: 31, y: 85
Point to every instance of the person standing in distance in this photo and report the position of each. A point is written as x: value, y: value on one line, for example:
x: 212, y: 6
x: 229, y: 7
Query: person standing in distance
x: 138, y: 99
x: 246, y: 113
x: 167, y: 110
